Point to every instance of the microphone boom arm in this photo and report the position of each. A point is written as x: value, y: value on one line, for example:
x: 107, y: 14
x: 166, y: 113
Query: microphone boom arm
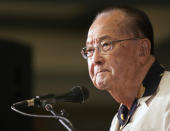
x: 65, y: 122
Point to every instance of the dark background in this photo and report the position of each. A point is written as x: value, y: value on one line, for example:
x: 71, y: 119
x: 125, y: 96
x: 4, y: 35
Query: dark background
x: 40, y: 43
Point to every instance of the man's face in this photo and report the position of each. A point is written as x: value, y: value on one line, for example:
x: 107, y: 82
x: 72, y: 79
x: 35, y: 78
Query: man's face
x: 113, y: 70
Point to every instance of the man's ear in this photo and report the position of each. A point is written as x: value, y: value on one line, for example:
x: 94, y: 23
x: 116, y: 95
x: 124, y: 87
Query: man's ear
x: 144, y: 47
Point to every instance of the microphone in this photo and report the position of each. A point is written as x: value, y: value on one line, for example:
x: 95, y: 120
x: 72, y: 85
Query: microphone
x: 78, y: 94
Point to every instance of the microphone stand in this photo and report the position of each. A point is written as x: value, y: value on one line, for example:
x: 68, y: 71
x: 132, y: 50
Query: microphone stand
x: 64, y: 121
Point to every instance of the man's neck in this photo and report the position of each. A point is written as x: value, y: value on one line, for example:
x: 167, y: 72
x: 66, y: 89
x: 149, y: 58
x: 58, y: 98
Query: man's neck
x: 138, y: 81
x: 134, y: 83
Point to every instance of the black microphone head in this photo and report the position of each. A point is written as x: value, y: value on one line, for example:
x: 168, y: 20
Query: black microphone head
x: 79, y: 94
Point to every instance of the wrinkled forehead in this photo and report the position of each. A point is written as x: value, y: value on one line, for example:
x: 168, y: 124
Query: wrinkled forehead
x: 110, y: 26
x: 102, y: 31
x: 91, y: 41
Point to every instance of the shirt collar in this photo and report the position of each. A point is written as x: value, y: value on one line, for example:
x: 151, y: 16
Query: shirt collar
x: 152, y: 79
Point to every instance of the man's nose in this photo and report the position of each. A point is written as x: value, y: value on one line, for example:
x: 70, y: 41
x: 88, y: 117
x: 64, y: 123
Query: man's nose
x: 97, y: 58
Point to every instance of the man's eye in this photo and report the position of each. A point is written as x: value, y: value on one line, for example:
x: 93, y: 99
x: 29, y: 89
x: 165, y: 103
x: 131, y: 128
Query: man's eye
x: 106, y: 45
x: 89, y: 51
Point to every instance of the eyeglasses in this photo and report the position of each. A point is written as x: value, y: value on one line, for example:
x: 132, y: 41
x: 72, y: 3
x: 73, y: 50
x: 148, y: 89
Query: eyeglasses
x: 104, y: 47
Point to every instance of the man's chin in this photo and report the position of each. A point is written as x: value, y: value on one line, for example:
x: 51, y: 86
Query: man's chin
x: 101, y: 86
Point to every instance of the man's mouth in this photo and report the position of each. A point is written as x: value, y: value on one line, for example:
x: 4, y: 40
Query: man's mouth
x: 101, y: 71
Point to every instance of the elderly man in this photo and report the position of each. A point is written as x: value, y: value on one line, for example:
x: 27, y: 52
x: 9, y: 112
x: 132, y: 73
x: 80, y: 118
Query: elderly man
x: 120, y: 55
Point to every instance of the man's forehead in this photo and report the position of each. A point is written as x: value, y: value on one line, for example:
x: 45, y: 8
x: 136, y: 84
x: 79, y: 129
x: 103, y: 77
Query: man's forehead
x: 106, y: 25
x: 99, y: 39
x: 99, y: 32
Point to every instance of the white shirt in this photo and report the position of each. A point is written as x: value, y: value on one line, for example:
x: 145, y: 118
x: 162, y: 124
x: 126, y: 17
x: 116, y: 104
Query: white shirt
x: 152, y: 113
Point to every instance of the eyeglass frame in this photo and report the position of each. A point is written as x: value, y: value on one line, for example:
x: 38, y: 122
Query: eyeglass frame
x: 99, y: 46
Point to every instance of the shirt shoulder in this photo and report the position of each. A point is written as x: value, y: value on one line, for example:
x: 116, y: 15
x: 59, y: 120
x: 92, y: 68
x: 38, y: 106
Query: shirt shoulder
x: 153, y: 112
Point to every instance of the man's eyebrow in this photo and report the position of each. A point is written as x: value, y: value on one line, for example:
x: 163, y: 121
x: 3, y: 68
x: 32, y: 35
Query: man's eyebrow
x: 104, y: 37
x: 100, y: 39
